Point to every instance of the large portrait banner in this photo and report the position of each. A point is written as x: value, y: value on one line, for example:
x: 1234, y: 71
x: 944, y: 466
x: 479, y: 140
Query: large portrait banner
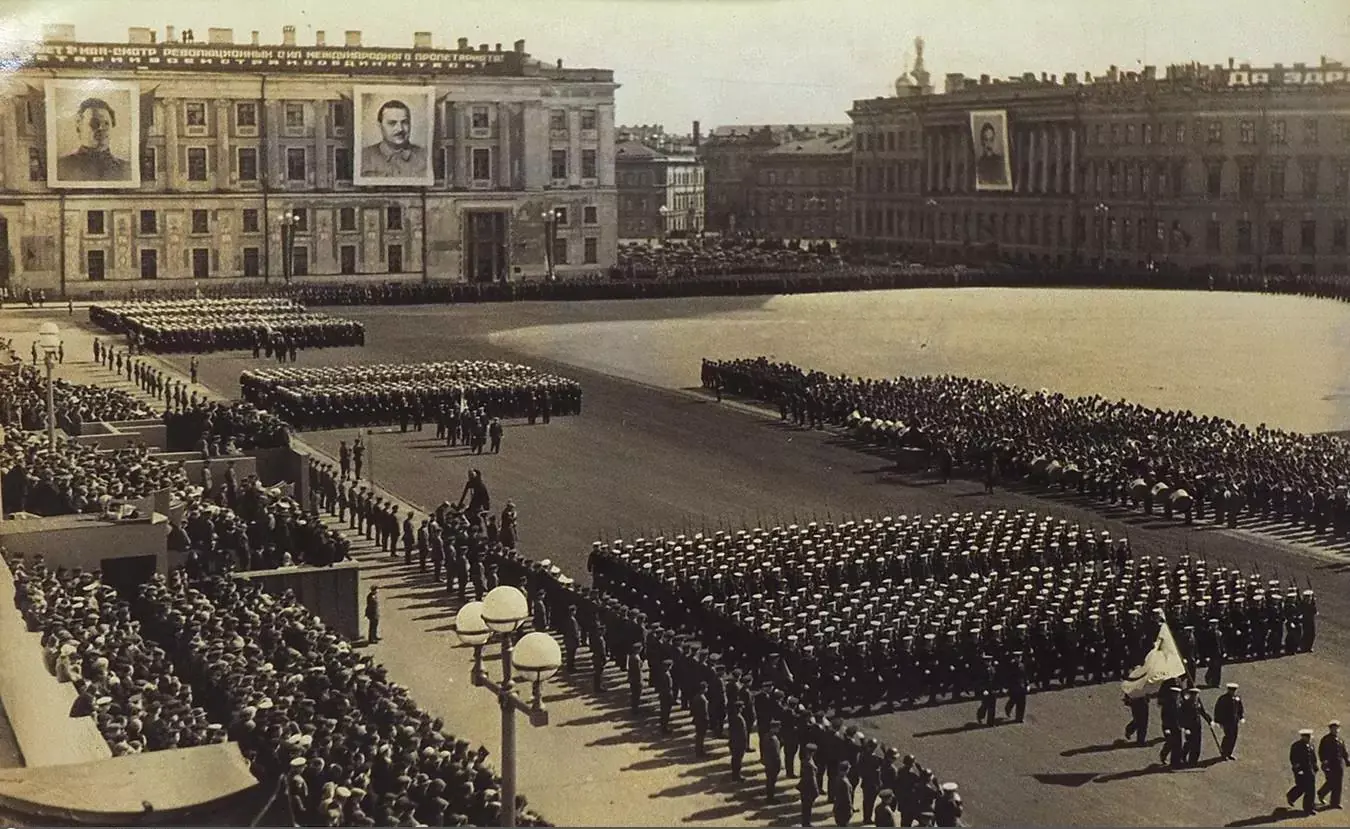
x: 989, y: 135
x: 93, y: 134
x: 394, y: 128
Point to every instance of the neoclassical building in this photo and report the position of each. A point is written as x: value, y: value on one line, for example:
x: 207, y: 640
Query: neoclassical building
x: 1200, y: 168
x: 176, y: 159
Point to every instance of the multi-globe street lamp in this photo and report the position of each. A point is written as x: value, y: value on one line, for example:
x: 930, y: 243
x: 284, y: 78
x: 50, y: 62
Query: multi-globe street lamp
x: 288, y: 221
x: 551, y: 220
x: 49, y: 340
x: 536, y: 657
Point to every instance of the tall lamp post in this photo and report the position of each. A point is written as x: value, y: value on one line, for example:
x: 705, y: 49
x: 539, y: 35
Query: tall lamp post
x: 1103, y: 211
x: 665, y: 212
x: 49, y: 340
x: 536, y: 656
x: 287, y: 221
x: 550, y: 219
x: 3, y: 470
x: 932, y: 228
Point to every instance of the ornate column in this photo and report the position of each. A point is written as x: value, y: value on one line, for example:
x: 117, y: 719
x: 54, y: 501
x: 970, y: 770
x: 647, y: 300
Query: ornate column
x: 1073, y: 160
x: 227, y: 178
x: 506, y: 120
x: 173, y: 169
x: 1045, y: 159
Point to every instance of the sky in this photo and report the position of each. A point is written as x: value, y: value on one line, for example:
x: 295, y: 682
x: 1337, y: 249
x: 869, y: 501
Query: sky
x: 762, y: 61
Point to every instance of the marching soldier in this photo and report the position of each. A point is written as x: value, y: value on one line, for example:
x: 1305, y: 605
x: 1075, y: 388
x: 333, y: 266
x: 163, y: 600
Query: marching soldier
x: 1331, y: 751
x: 1230, y: 714
x: 1169, y: 705
x: 1303, y: 764
x: 869, y: 777
x: 1192, y: 712
x: 1019, y: 687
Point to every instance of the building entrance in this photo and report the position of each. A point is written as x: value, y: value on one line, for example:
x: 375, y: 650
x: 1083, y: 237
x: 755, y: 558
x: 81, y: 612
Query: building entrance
x: 486, y: 258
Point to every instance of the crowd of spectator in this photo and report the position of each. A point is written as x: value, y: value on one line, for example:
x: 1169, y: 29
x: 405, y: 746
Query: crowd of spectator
x: 354, y: 746
x: 721, y: 257
x: 122, y: 679
x: 23, y: 402
x: 216, y: 429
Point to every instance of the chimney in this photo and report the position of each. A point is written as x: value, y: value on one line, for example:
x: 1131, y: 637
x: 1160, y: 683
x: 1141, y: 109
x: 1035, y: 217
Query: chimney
x: 353, y: 38
x: 497, y: 47
x: 1054, y: 79
x: 482, y: 47
x: 984, y: 80
x: 698, y: 135
x: 140, y: 35
x: 463, y: 44
x: 287, y: 35
x: 560, y: 63
x: 153, y: 35
x: 1150, y: 73
x: 220, y: 37
x: 256, y: 40
x: 1230, y: 64
x: 422, y: 40
x: 1071, y: 79
x: 320, y: 38
x: 1045, y: 77
x: 520, y: 47
x: 168, y: 34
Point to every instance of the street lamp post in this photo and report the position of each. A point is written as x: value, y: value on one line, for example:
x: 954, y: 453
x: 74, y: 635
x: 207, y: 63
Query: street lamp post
x: 49, y: 340
x: 665, y: 212
x: 932, y: 228
x: 536, y: 656
x: 287, y: 221
x: 1103, y: 211
x: 550, y: 220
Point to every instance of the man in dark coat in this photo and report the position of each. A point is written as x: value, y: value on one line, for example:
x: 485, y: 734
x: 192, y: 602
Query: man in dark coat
x: 1331, y: 751
x: 373, y: 615
x: 841, y: 795
x: 738, y: 738
x: 770, y: 756
x: 1303, y: 764
x: 1229, y: 713
x: 807, y: 787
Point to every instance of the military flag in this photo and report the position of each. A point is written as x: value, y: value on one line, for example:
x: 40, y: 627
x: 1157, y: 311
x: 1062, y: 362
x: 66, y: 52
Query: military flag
x: 1162, y: 663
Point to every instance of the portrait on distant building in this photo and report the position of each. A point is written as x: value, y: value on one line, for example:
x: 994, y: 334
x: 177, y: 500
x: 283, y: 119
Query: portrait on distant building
x: 93, y: 134
x: 394, y: 128
x: 989, y: 133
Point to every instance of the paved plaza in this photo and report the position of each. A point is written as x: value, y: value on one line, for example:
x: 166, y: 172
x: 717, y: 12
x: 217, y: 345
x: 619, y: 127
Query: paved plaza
x: 641, y: 460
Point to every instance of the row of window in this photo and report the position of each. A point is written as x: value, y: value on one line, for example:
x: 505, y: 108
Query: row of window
x: 1111, y: 232
x: 798, y: 225
x: 647, y: 178
x: 248, y: 169
x: 810, y: 202
x: 96, y: 221
x: 1211, y: 131
x: 206, y: 261
x: 1163, y: 178
x: 246, y: 120
x: 808, y: 175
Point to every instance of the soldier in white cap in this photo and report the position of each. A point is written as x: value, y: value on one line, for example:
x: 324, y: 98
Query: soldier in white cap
x: 1230, y: 714
x: 1303, y: 763
x: 1331, y: 751
x: 947, y: 810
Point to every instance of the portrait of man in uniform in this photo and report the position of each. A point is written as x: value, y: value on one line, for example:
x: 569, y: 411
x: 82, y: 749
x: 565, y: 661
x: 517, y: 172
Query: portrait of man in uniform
x: 93, y: 133
x: 396, y: 125
x: 989, y: 132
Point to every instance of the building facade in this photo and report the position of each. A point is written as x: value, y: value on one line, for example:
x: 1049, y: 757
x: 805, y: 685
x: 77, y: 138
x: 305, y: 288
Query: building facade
x: 169, y: 160
x: 802, y: 190
x: 727, y: 155
x: 660, y: 194
x: 1203, y: 169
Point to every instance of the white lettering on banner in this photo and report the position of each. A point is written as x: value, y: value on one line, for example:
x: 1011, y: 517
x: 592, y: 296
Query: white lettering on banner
x: 1295, y: 77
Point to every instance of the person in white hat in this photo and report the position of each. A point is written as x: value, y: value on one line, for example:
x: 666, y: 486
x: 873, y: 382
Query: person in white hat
x: 947, y: 810
x: 1331, y: 751
x: 1303, y: 763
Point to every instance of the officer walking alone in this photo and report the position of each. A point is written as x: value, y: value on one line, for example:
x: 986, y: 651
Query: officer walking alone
x: 1230, y: 714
